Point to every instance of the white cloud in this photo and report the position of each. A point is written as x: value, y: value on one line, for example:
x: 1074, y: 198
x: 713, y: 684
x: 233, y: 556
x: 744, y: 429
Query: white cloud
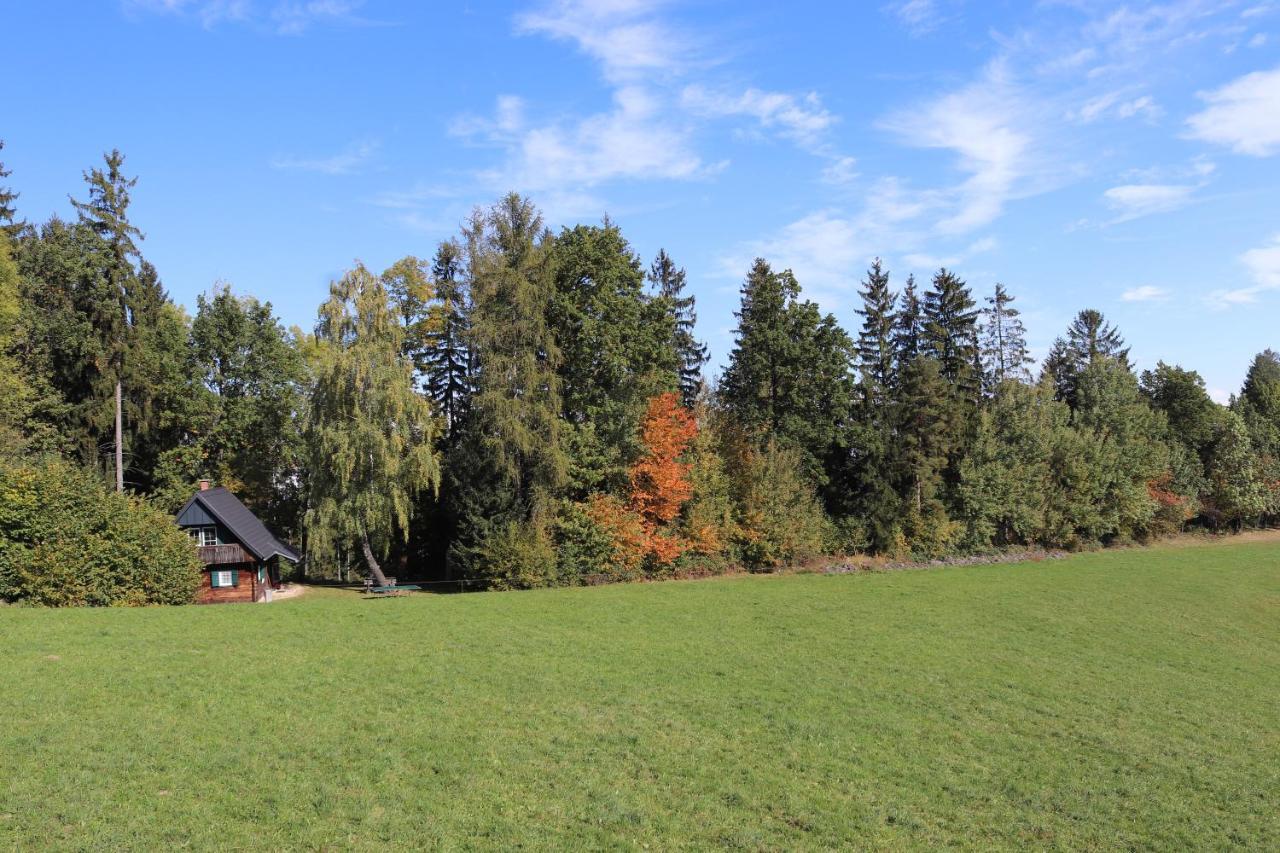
x: 982, y: 125
x: 1258, y: 40
x: 1131, y: 201
x: 1263, y: 264
x: 345, y: 162
x: 1145, y: 293
x: 826, y: 250
x: 1243, y: 115
x: 624, y: 36
x: 802, y: 119
x: 634, y: 140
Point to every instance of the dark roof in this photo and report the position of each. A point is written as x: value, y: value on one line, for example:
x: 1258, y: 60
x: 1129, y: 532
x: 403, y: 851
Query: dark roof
x: 244, y: 525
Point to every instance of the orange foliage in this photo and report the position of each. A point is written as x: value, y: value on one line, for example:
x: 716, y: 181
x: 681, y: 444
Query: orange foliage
x: 660, y: 487
x: 659, y: 480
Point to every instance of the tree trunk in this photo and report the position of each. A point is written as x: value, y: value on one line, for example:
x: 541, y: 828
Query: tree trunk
x: 372, y: 561
x: 119, y: 442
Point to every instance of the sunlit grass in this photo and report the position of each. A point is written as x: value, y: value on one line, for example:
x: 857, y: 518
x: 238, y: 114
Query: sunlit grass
x: 1122, y: 699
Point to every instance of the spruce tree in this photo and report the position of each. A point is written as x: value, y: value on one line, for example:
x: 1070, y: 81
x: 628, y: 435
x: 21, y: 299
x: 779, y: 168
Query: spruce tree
x: 1004, y: 341
x: 951, y: 331
x: 448, y: 358
x: 8, y: 211
x: 669, y: 281
x: 753, y: 383
x: 908, y: 327
x: 876, y: 340
x: 370, y: 435
x: 1090, y: 338
x: 106, y: 213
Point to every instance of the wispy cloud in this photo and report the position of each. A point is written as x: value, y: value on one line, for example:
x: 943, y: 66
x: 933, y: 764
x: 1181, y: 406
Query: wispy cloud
x: 351, y: 159
x: 1145, y: 293
x: 284, y: 17
x: 981, y: 123
x: 1243, y: 115
x: 1117, y: 104
x: 918, y: 16
x: 1131, y: 201
x: 626, y: 37
x: 1263, y: 265
x: 800, y: 118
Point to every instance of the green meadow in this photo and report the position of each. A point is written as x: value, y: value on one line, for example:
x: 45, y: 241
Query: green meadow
x: 1122, y: 699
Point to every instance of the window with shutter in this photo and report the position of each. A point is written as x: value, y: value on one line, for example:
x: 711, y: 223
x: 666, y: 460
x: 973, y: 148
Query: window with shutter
x: 222, y: 578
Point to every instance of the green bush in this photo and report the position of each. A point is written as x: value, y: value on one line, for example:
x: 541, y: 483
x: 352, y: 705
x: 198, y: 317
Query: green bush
x: 65, y: 540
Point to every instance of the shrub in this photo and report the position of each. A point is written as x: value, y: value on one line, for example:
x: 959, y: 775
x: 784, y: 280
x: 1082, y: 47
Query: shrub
x: 780, y: 519
x: 65, y: 540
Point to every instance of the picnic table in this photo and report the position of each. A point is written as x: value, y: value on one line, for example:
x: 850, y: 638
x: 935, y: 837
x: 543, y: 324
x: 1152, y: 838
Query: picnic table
x: 391, y: 588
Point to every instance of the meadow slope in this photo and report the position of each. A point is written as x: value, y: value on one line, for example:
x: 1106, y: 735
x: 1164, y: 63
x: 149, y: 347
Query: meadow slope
x: 1115, y: 699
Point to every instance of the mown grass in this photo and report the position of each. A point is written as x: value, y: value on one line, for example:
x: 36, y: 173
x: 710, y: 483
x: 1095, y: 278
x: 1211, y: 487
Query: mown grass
x: 1121, y: 699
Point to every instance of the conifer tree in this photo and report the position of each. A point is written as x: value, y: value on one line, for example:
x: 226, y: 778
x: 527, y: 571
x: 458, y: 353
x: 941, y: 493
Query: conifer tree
x: 9, y: 222
x: 448, y: 358
x: 951, y: 331
x: 876, y: 340
x: 107, y: 214
x: 669, y: 280
x: 1004, y: 341
x: 908, y: 326
x: 511, y: 463
x: 753, y: 385
x: 370, y: 435
x: 1090, y: 338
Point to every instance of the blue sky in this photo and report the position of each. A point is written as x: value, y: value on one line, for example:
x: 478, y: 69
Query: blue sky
x: 1122, y: 157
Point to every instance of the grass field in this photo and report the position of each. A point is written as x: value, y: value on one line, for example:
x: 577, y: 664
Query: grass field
x: 1117, y: 699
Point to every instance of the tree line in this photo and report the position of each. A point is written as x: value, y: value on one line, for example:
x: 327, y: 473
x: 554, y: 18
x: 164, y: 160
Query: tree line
x: 528, y: 407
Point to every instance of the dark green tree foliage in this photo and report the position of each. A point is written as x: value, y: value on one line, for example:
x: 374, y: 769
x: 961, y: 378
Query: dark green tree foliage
x: 876, y: 339
x: 1090, y: 338
x: 249, y: 437
x: 507, y: 471
x: 1004, y: 341
x: 669, y: 281
x: 789, y: 375
x: 65, y: 540
x: 9, y: 221
x: 370, y: 435
x: 448, y: 356
x: 615, y: 348
x: 1259, y: 405
x: 951, y: 332
x: 1194, y: 419
x: 908, y: 326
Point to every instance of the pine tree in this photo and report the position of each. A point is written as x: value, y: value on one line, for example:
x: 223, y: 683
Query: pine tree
x: 106, y: 213
x: 1090, y: 338
x: 448, y: 358
x: 370, y: 435
x: 1004, y: 341
x: 670, y: 283
x: 9, y: 222
x: 876, y: 340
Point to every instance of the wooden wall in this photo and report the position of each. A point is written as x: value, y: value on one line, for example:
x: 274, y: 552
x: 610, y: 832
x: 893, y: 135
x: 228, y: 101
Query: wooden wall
x: 248, y: 589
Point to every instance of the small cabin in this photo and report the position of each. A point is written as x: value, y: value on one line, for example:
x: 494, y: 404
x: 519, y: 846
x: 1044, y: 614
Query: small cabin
x: 241, y: 556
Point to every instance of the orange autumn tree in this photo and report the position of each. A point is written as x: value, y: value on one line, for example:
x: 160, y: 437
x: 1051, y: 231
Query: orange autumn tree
x: 660, y: 487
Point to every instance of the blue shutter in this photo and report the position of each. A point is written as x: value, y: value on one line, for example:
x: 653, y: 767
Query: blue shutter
x: 235, y: 577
